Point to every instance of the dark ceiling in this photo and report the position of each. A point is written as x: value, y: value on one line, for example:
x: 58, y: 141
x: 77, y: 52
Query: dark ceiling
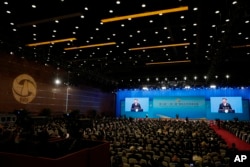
x: 209, y: 32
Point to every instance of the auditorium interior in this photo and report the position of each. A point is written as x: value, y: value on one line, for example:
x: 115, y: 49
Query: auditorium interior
x: 71, y: 72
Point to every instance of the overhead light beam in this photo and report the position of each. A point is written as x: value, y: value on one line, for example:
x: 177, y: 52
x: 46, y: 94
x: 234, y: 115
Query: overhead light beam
x: 50, y: 42
x: 91, y: 46
x: 160, y: 46
x: 145, y: 14
x: 169, y: 62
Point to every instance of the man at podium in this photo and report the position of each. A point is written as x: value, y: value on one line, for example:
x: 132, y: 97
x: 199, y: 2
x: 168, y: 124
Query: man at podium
x: 136, y: 107
x: 225, y: 107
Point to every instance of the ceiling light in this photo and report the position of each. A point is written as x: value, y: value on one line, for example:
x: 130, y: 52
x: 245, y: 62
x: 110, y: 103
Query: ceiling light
x: 143, y: 5
x: 239, y: 33
x: 195, y: 8
x: 227, y: 20
x: 82, y: 16
x: 182, y: 17
x: 56, y: 21
x: 217, y: 12
x: 118, y: 2
x: 138, y: 31
x: 8, y: 11
x: 86, y: 8
x: 33, y: 6
x: 247, y: 21
x: 51, y: 42
x: 160, y: 46
x: 212, y: 86
x: 165, y: 28
x: 145, y: 14
x: 91, y: 46
x: 234, y: 2
x: 169, y: 62
x: 213, y: 25
x: 110, y: 11
x: 122, y: 25
x: 150, y: 21
x: 195, y: 24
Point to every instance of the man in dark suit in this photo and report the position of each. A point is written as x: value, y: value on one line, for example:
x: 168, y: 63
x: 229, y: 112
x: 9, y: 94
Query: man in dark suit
x: 136, y: 106
x: 225, y: 107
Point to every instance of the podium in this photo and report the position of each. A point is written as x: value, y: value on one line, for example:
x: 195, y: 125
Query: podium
x: 226, y: 111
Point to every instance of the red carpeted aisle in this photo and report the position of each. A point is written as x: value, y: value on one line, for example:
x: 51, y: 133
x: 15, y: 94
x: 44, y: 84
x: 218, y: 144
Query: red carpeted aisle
x: 231, y: 138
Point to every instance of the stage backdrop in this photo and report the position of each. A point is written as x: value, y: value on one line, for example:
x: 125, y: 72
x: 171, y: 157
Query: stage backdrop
x: 184, y: 103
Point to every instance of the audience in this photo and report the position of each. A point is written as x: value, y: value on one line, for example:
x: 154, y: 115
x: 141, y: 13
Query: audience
x: 133, y: 142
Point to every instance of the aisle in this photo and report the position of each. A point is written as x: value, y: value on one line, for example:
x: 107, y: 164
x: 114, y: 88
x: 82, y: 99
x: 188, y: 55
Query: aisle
x: 231, y: 138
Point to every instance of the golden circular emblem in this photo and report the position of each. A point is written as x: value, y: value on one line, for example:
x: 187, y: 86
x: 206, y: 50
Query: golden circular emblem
x: 24, y: 88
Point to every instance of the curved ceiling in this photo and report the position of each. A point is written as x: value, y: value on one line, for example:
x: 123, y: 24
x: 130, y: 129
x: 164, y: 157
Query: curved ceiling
x: 129, y: 44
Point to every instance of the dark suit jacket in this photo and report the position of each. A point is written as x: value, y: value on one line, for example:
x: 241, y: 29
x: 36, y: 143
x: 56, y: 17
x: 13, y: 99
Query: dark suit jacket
x: 136, y: 107
x: 223, y: 107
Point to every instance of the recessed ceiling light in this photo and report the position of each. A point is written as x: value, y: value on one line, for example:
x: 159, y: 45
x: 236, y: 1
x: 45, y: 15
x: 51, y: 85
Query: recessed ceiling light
x: 156, y: 32
x: 213, y: 25
x: 6, y: 3
x: 73, y: 32
x: 247, y: 21
x: 12, y: 24
x: 183, y: 29
x: 108, y: 39
x: 91, y: 37
x: 239, y: 33
x: 143, y: 5
x: 111, y: 11
x: 247, y: 38
x: 86, y: 8
x: 217, y: 12
x: 144, y: 40
x: 138, y: 31
x: 165, y: 28
x: 122, y: 25
x: 150, y: 21
x: 118, y: 2
x: 130, y: 36
x: 210, y: 36
x: 227, y: 20
x: 195, y: 24
x: 97, y: 29
x: 8, y: 12
x: 76, y: 27
x: 194, y: 35
x: 14, y: 29
x: 234, y: 2
x: 195, y: 8
x: 113, y: 35
x: 182, y: 17
x: 33, y: 6
x: 82, y: 16
x: 56, y: 21
x: 223, y: 31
